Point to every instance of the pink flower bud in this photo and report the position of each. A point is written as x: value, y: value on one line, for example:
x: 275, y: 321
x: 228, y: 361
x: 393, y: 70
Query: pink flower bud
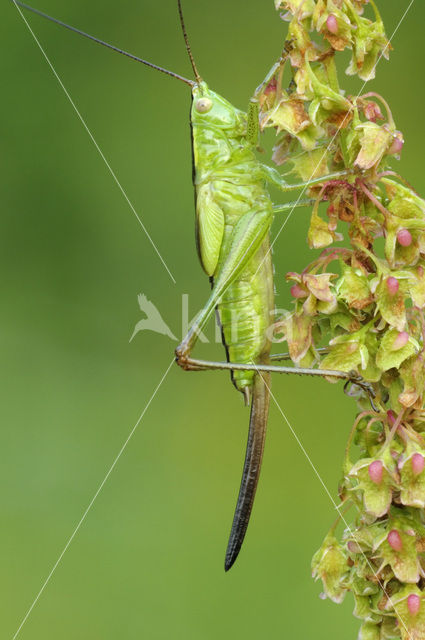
x: 375, y: 470
x: 394, y: 540
x: 404, y: 237
x: 420, y: 271
x: 298, y: 292
x: 400, y: 341
x: 271, y: 87
x: 373, y: 112
x: 332, y: 24
x: 397, y: 144
x: 392, y: 285
x: 391, y: 417
x: 418, y: 463
x: 413, y: 604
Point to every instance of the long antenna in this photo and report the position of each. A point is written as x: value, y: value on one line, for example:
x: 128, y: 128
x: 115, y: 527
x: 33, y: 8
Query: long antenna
x: 104, y: 44
x: 186, y: 39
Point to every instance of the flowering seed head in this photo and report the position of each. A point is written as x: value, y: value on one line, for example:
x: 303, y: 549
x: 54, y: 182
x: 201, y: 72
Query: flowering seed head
x: 404, y: 237
x: 392, y: 285
x: 413, y: 604
x: 332, y: 24
x: 394, y: 540
x: 400, y: 341
x: 375, y: 471
x: 418, y: 463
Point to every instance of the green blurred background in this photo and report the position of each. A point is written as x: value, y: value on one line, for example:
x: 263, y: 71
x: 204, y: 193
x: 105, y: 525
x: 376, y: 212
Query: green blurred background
x: 147, y: 561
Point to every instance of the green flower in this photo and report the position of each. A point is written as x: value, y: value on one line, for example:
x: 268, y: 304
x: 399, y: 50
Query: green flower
x: 390, y: 301
x: 375, y: 140
x: 410, y: 611
x: 369, y: 631
x: 397, y: 547
x: 320, y: 233
x: 311, y: 164
x: 297, y: 331
x: 290, y: 115
x: 417, y: 286
x: 334, y: 23
x: 326, y: 101
x: 302, y: 8
x: 369, y: 42
x: 330, y: 565
x: 412, y: 476
x: 375, y: 481
x: 353, y: 288
x: 390, y: 354
x: 412, y: 372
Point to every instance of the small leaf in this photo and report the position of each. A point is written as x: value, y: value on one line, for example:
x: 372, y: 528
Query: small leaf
x: 363, y: 587
x: 330, y: 565
x: 404, y: 203
x: 369, y: 631
x: 303, y: 8
x: 403, y: 562
x: 319, y: 235
x: 297, y: 331
x: 318, y: 285
x: 411, y: 627
x: 376, y: 496
x: 369, y: 43
x: 289, y: 115
x: 344, y: 320
x: 362, y: 607
x: 311, y: 164
x: 412, y: 372
x: 343, y: 357
x: 371, y: 372
x: 374, y: 142
x: 337, y: 31
x: 391, y: 305
x: 417, y: 287
x: 412, y: 484
x: 353, y: 288
x: 389, y: 629
x: 282, y: 149
x: 386, y: 358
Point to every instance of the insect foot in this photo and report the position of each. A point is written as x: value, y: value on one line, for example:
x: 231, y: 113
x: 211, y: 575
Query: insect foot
x: 357, y: 379
x: 182, y: 357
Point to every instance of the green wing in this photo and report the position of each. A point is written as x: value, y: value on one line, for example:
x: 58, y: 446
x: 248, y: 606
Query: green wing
x: 209, y: 229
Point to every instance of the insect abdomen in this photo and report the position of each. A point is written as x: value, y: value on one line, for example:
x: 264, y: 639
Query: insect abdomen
x: 246, y: 314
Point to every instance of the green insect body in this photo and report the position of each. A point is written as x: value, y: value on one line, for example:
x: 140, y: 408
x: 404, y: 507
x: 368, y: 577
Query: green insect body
x: 234, y: 214
x: 233, y: 218
x: 230, y: 190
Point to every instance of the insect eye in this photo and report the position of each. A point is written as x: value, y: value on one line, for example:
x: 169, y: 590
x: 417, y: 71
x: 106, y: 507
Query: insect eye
x: 203, y: 105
